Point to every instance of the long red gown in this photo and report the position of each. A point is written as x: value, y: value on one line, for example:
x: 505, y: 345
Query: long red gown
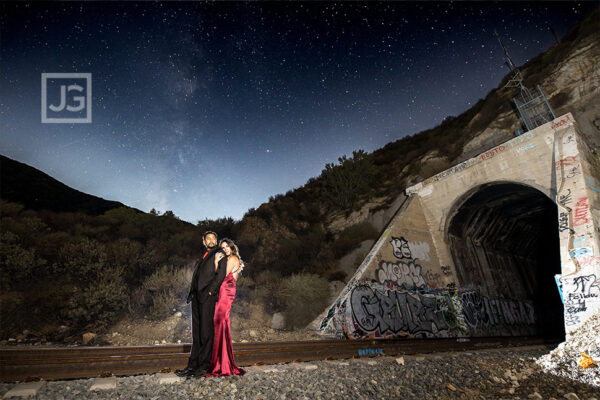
x: 222, y: 363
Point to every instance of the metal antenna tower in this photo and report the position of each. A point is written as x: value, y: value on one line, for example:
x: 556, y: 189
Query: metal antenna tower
x: 532, y: 104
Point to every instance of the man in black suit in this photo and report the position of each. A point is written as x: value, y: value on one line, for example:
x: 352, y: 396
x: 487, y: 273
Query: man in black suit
x: 204, y: 291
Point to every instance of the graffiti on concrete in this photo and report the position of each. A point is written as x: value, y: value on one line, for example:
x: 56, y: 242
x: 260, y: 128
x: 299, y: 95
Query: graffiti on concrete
x: 525, y: 147
x: 579, y: 241
x: 561, y: 122
x: 405, y: 249
x: 583, y: 285
x: 480, y: 310
x: 378, y: 312
x: 581, y: 252
x: 434, y: 280
x: 565, y: 199
x: 493, y: 152
x: 579, y: 289
x: 589, y: 261
x: 573, y: 172
x: 569, y: 139
x: 563, y: 221
x: 455, y: 169
x: 568, y: 161
x: 581, y: 211
x: 446, y: 270
x: 408, y: 275
x: 396, y: 311
x: 592, y: 183
x: 370, y: 352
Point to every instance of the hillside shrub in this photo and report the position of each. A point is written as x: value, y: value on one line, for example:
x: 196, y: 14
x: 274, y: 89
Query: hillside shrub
x: 343, y: 183
x: 351, y: 237
x: 161, y: 292
x: 305, y: 296
x: 267, y: 290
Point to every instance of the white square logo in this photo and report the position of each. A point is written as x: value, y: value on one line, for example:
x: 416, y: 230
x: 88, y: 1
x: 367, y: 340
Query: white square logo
x: 66, y: 98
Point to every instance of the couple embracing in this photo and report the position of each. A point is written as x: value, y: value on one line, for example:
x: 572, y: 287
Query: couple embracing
x: 212, y: 293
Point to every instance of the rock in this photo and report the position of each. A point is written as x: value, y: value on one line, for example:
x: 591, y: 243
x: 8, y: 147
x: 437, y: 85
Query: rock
x: 88, y: 337
x: 449, y: 386
x: 63, y: 329
x: 571, y: 396
x: 400, y: 360
x: 511, y: 390
x: 253, y: 333
x: 26, y: 332
x: 271, y: 330
x: 278, y: 321
x: 535, y: 396
x: 178, y: 314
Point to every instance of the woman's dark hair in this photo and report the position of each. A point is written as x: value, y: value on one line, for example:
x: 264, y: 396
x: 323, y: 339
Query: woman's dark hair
x: 234, y: 250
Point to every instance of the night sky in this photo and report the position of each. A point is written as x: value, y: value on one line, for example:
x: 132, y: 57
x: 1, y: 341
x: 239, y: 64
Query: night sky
x: 207, y: 109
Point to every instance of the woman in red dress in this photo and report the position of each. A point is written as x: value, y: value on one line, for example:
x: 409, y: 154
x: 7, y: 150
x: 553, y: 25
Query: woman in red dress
x: 222, y: 363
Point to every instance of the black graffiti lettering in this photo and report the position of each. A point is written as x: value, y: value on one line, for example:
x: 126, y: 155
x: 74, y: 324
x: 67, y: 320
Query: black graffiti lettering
x: 573, y: 172
x: 565, y: 199
x: 584, y: 283
x: 480, y: 311
x: 563, y: 222
x: 391, y: 318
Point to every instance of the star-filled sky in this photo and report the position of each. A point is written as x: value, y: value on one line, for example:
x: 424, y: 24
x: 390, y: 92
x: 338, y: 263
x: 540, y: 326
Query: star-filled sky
x: 207, y: 109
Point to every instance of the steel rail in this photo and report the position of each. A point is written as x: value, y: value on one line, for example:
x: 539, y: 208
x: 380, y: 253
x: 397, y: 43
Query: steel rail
x: 18, y: 364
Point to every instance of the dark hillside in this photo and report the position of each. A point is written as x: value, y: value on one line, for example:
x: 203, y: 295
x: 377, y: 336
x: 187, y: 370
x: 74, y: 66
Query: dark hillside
x: 20, y: 183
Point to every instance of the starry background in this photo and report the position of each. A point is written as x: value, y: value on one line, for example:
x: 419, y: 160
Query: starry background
x: 207, y: 109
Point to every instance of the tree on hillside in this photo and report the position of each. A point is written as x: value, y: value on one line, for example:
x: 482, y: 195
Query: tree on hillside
x: 343, y: 183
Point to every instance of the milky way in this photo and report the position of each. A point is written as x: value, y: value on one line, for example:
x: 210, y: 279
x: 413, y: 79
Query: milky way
x: 207, y: 109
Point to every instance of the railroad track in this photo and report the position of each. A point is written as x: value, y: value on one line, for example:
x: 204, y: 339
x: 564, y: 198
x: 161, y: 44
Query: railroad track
x: 18, y: 364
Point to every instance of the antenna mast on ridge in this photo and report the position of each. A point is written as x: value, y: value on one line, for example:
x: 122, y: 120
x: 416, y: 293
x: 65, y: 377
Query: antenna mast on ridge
x: 532, y: 105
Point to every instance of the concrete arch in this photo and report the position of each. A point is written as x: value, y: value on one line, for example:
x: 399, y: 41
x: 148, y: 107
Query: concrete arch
x: 461, y: 199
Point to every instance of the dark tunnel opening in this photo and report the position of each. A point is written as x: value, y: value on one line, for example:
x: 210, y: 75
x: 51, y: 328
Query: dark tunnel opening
x: 504, y: 242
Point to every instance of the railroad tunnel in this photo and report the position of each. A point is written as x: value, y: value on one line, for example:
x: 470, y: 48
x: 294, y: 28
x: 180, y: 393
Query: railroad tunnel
x: 504, y: 241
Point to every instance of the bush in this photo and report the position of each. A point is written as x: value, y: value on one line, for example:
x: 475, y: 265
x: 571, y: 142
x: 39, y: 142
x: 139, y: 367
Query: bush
x: 18, y: 264
x: 351, y: 237
x: 161, y: 292
x: 267, y: 290
x: 98, y: 304
x: 305, y: 296
x: 345, y: 182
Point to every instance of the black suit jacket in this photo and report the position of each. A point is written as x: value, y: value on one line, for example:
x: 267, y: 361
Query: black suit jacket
x: 206, y: 282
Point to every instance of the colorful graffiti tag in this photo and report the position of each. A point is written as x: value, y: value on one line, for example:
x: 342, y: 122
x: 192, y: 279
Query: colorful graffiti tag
x: 375, y: 311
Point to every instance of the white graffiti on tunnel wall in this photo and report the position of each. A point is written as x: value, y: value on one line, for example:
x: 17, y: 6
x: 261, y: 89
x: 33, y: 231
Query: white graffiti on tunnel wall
x: 408, y: 275
x: 405, y: 249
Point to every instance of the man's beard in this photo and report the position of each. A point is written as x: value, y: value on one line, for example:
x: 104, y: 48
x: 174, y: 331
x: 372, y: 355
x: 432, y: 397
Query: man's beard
x: 211, y: 247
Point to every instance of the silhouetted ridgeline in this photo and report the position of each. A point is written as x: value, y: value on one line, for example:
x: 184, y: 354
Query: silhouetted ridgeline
x: 38, y: 191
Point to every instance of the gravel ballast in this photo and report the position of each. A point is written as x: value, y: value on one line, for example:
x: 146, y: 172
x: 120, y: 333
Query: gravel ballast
x: 486, y: 374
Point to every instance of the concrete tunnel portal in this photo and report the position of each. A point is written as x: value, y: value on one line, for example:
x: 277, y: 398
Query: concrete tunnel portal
x: 480, y: 248
x: 504, y: 241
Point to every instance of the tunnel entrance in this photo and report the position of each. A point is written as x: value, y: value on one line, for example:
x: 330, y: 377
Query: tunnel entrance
x: 504, y: 242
